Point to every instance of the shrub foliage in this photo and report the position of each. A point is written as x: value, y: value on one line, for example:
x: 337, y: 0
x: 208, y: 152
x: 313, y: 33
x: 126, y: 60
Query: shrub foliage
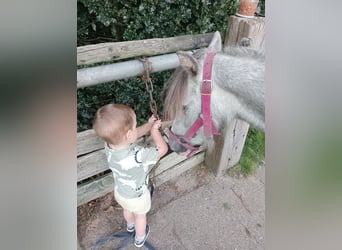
x: 101, y: 21
x: 127, y: 20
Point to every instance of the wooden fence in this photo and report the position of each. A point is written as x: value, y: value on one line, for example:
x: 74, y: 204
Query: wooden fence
x: 94, y: 179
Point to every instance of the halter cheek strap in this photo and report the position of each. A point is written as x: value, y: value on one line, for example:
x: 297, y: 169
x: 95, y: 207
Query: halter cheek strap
x: 206, y: 87
x: 205, y: 118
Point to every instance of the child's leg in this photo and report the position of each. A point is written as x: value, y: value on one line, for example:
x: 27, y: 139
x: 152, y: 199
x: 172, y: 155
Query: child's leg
x: 129, y: 217
x: 140, y: 225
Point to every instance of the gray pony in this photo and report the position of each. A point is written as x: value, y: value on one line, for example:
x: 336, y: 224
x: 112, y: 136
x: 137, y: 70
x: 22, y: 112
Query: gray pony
x: 237, y: 90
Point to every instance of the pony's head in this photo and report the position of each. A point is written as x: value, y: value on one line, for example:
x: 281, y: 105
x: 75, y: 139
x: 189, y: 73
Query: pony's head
x: 182, y: 102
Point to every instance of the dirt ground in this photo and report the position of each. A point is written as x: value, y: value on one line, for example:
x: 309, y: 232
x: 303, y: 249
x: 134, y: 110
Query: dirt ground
x: 103, y: 216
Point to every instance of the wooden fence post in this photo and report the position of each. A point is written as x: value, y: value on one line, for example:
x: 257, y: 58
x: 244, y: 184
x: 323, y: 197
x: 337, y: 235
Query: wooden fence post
x: 227, y: 148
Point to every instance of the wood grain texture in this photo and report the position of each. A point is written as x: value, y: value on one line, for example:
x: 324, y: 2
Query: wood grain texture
x: 91, y: 164
x: 178, y: 169
x: 88, y: 141
x: 92, y: 161
x: 94, y: 189
x: 104, y: 52
x: 228, y: 147
x: 105, y: 184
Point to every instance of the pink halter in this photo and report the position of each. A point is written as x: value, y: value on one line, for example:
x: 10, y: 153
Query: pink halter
x: 205, y: 117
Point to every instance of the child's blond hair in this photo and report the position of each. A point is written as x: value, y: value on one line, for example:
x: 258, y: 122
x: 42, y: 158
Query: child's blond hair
x: 112, y: 122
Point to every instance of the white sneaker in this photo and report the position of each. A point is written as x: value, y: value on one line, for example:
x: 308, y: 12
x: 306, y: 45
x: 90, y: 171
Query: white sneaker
x: 140, y: 243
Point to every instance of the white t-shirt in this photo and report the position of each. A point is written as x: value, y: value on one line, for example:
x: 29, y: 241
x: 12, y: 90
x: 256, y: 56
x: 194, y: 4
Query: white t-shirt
x: 130, y: 167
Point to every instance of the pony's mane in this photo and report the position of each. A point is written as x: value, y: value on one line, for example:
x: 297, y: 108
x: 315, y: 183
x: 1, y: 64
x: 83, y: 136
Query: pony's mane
x: 173, y: 93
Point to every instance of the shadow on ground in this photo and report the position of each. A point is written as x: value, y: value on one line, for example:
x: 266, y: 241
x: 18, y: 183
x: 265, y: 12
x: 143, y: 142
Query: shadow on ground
x: 192, y: 211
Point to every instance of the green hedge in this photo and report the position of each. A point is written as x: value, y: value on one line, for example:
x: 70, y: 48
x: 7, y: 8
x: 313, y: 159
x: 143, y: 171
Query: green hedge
x: 126, y: 20
x: 131, y: 92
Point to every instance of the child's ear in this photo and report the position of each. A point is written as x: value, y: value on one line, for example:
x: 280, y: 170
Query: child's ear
x: 129, y: 134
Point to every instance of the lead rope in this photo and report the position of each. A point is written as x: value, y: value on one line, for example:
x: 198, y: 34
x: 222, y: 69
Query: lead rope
x: 127, y: 237
x: 149, y: 85
x: 154, y: 109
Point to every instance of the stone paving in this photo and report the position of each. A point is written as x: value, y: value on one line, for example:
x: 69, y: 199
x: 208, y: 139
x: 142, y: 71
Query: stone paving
x: 198, y: 211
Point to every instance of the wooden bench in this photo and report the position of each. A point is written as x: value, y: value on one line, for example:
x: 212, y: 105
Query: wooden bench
x: 95, y: 179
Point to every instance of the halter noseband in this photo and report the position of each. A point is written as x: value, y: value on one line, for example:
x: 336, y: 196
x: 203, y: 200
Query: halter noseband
x: 205, y: 117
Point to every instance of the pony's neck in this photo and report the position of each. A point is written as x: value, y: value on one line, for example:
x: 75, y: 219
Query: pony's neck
x: 227, y: 106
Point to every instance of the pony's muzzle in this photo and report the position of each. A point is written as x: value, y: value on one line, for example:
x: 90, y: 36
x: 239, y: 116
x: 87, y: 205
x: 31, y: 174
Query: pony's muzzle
x: 176, y: 147
x: 181, y: 146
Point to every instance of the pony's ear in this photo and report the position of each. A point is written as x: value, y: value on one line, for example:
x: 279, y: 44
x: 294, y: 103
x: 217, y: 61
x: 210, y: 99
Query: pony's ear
x: 216, y: 42
x: 187, y: 62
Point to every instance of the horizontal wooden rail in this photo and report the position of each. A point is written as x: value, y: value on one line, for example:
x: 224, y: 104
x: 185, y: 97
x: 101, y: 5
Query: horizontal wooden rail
x: 178, y: 169
x: 91, y: 162
x: 104, y: 52
x: 95, y: 189
x: 170, y: 166
x: 88, y: 141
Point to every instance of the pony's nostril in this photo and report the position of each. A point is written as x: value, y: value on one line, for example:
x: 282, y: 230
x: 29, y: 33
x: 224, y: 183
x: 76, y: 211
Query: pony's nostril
x: 176, y: 147
x: 182, y: 140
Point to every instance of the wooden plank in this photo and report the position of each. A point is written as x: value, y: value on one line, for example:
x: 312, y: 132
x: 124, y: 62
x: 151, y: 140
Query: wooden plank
x: 169, y: 161
x: 239, y: 27
x: 88, y: 141
x: 95, y: 163
x: 238, y: 131
x: 105, y: 184
x: 94, y: 189
x: 91, y: 164
x: 179, y: 168
x: 228, y: 147
x: 104, y: 52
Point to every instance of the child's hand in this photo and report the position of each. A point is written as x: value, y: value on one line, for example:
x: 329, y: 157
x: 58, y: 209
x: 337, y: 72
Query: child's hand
x: 152, y: 120
x: 157, y: 124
